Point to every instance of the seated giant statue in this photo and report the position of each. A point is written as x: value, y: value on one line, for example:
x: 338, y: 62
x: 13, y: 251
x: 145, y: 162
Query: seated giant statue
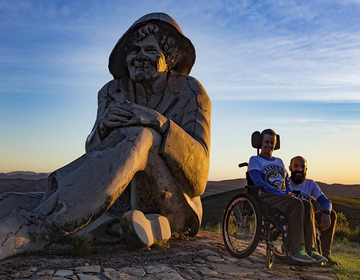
x: 147, y: 156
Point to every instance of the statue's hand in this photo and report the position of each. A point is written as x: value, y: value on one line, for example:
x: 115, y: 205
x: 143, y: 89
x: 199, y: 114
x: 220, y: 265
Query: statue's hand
x: 116, y: 115
x: 145, y: 116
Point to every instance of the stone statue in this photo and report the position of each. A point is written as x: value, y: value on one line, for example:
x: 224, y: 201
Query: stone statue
x: 147, y: 156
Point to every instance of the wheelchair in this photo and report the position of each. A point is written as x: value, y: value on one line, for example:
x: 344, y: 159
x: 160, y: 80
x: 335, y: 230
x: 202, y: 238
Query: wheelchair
x: 247, y: 221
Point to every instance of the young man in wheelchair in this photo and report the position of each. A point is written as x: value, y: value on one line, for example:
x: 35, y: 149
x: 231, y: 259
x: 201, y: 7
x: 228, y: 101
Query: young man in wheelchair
x: 269, y: 172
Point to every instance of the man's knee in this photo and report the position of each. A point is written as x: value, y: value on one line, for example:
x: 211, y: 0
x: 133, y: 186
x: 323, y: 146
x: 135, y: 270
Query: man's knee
x: 309, y: 208
x: 298, y: 204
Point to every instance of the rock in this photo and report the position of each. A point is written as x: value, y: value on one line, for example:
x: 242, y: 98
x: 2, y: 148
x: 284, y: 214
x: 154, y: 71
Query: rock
x: 115, y: 262
x: 63, y: 273
x: 82, y: 276
x: 134, y: 271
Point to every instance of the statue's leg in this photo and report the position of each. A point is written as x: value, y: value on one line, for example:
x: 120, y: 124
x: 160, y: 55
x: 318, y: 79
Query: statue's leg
x: 156, y: 190
x: 11, y: 200
x: 159, y: 204
x: 81, y: 191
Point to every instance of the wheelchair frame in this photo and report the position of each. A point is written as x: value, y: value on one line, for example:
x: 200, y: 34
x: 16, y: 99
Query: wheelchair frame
x: 247, y: 221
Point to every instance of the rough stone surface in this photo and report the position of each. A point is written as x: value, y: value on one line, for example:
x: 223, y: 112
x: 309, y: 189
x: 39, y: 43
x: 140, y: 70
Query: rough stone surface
x: 187, y: 259
x: 151, y: 139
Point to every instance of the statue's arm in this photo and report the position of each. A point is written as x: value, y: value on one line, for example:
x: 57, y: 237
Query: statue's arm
x: 186, y: 147
x: 95, y: 136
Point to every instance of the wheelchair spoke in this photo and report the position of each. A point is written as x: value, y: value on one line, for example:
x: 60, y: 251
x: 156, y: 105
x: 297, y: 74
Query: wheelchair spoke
x: 241, y: 226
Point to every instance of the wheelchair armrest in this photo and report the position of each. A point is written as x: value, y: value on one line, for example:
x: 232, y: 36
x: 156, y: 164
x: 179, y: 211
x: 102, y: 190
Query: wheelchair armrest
x: 253, y: 187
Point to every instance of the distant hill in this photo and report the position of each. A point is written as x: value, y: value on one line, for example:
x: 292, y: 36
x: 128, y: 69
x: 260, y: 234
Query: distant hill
x: 215, y: 199
x: 27, y: 175
x: 216, y: 187
x: 341, y: 190
x: 25, y: 181
x: 22, y: 185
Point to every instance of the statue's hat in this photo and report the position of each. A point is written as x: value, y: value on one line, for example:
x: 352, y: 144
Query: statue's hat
x: 117, y: 65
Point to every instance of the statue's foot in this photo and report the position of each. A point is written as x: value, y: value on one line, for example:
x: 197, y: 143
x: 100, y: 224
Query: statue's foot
x: 19, y: 233
x: 142, y: 230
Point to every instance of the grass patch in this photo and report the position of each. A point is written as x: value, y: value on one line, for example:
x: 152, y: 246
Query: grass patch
x: 349, y: 206
x: 348, y: 255
x: 80, y: 246
x: 161, y: 244
x: 212, y: 228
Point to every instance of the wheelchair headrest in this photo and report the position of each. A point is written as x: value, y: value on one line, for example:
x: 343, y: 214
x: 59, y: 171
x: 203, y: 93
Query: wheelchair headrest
x: 256, y: 140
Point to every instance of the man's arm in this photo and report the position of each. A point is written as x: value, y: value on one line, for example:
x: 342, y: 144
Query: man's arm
x: 320, y: 197
x: 287, y: 184
x: 324, y: 202
x: 258, y: 181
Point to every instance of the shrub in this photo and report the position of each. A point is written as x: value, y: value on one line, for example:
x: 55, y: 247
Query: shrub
x: 343, y: 230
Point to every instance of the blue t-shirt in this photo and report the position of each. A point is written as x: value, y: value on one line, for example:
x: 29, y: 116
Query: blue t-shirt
x: 269, y: 173
x: 309, y: 189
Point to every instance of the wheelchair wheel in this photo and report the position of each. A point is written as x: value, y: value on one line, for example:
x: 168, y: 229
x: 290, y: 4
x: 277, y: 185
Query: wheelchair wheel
x: 277, y: 242
x: 242, y: 225
x: 269, y: 257
x: 279, y: 248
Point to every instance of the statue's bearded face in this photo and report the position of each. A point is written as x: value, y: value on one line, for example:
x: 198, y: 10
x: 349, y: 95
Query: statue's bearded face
x: 145, y: 60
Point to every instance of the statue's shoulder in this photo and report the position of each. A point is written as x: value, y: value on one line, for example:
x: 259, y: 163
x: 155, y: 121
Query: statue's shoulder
x: 188, y: 85
x: 114, y: 86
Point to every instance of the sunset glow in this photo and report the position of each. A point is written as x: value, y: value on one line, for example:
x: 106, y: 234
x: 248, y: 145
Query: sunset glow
x: 291, y: 66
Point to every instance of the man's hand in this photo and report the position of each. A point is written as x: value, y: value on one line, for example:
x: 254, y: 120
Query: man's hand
x: 325, y: 222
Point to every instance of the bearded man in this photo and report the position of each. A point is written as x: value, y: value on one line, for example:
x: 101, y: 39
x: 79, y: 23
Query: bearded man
x: 147, y: 155
x: 307, y: 189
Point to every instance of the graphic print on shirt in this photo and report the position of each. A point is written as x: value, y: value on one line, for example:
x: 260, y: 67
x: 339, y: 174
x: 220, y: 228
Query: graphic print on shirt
x: 302, y: 195
x: 274, y: 175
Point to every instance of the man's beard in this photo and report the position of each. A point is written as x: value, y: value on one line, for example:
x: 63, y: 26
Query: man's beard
x: 298, y: 177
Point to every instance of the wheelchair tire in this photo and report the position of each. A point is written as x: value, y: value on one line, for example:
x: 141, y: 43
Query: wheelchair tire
x: 241, y: 225
x: 269, y: 258
x: 279, y: 252
x: 278, y: 246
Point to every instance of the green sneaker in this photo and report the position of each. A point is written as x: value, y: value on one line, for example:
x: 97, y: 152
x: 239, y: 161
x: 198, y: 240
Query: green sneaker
x: 319, y: 258
x: 302, y: 257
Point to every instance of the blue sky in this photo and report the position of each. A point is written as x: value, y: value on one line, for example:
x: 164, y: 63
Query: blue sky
x: 293, y: 66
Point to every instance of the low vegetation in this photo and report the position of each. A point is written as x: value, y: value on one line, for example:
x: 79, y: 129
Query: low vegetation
x: 79, y: 246
x: 348, y: 255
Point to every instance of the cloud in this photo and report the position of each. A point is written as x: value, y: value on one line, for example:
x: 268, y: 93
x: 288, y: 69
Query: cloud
x: 282, y: 50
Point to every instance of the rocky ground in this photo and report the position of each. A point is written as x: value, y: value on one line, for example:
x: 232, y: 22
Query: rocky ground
x: 202, y: 257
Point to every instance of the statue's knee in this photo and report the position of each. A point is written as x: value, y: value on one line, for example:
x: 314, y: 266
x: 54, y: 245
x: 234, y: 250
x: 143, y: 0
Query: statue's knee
x: 148, y: 134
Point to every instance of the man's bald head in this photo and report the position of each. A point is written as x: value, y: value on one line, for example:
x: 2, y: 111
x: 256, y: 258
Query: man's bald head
x: 298, y: 168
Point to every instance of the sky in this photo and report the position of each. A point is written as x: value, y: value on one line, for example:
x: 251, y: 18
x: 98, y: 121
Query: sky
x: 293, y: 66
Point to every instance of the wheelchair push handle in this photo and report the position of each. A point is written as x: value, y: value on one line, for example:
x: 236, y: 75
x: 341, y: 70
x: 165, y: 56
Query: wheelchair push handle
x: 243, y: 164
